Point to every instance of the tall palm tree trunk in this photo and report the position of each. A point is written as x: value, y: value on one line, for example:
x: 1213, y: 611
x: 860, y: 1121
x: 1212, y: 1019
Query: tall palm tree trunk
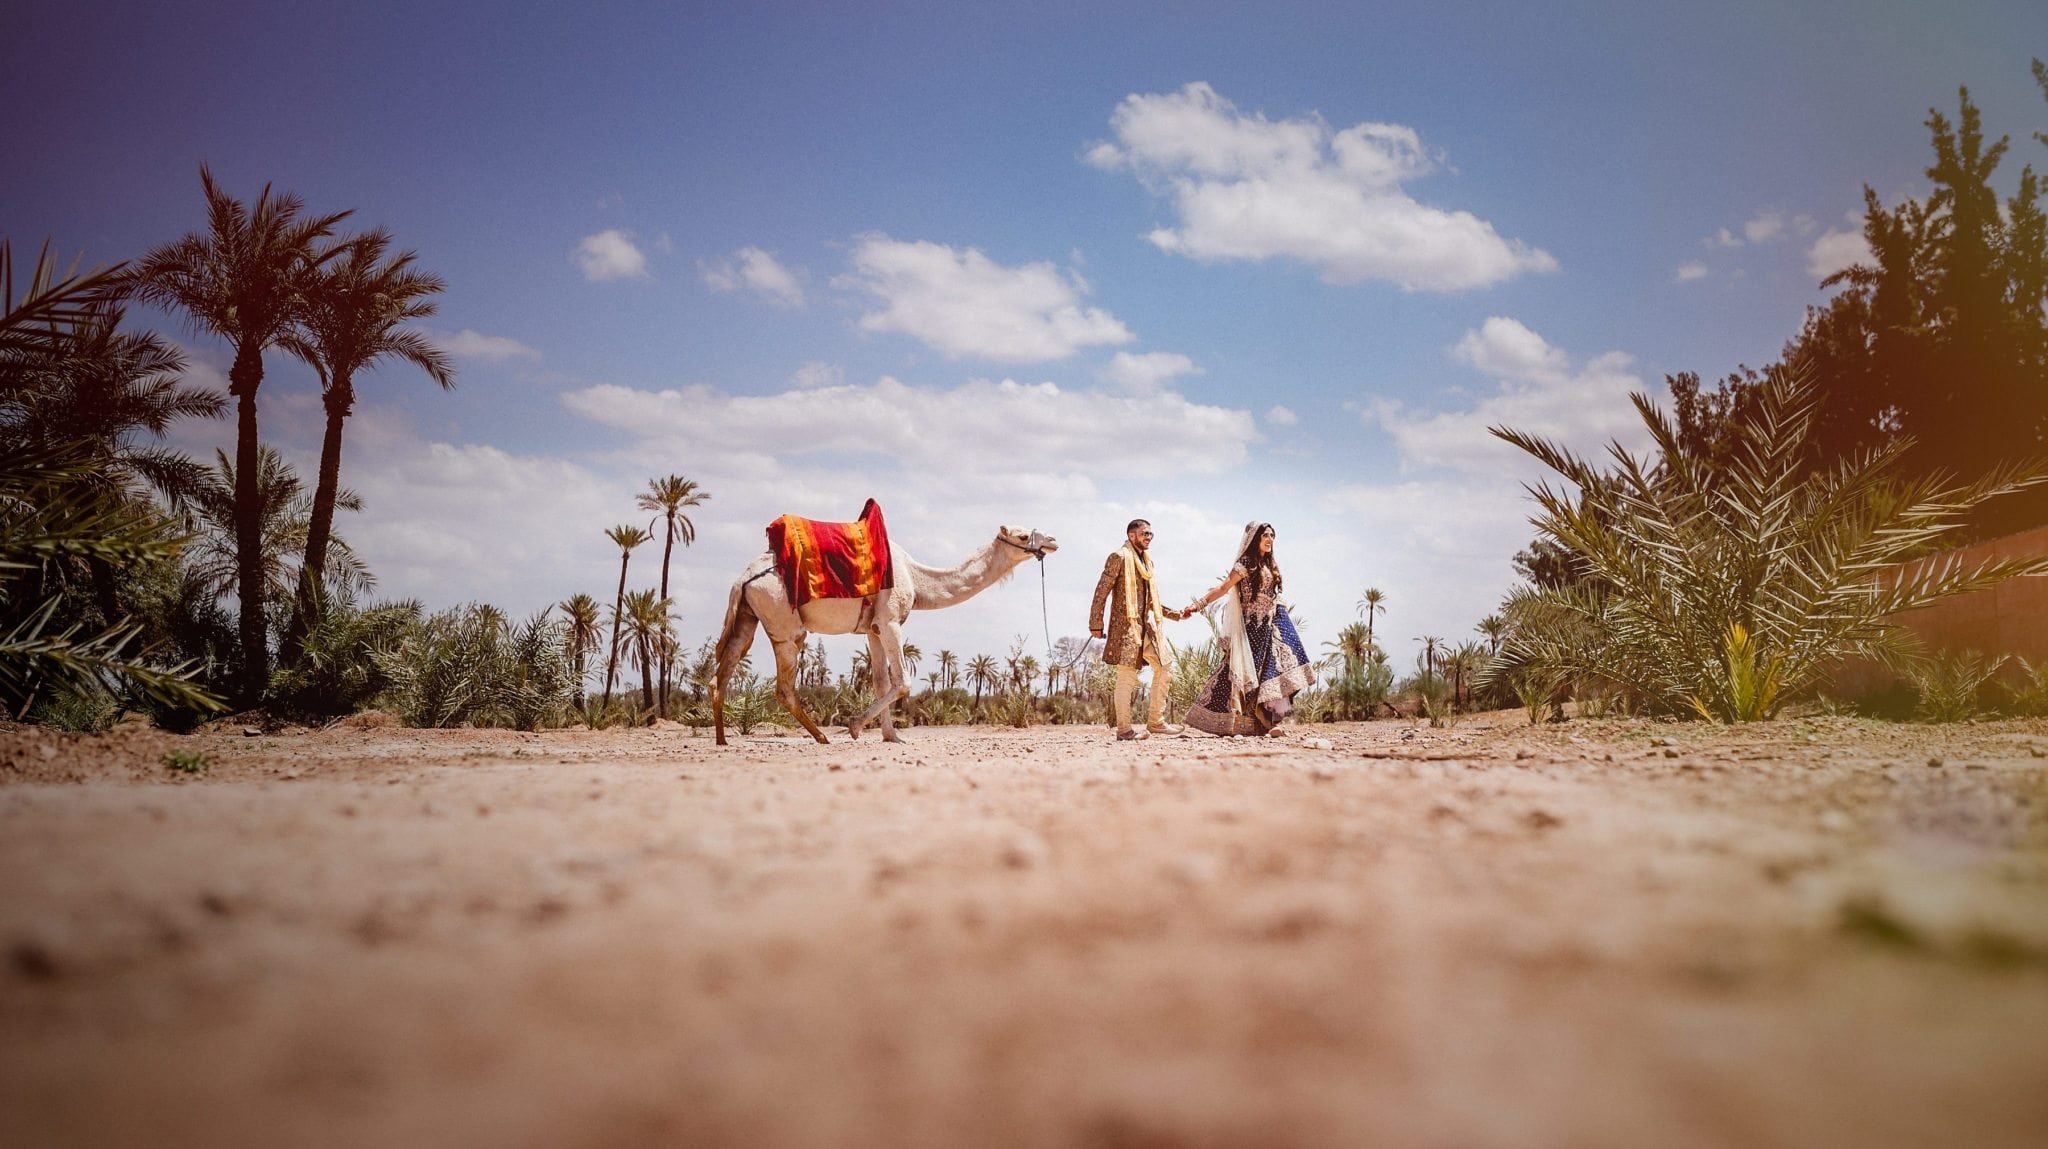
x: 243, y: 379
x: 339, y: 400
x: 576, y: 699
x: 667, y: 548
x: 611, y: 670
x: 646, y: 672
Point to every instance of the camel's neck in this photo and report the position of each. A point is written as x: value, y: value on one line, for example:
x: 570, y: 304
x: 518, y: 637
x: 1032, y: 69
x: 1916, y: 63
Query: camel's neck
x: 943, y: 587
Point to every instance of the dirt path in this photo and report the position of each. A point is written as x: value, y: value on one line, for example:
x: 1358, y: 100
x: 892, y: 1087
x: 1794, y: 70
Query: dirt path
x: 1489, y: 935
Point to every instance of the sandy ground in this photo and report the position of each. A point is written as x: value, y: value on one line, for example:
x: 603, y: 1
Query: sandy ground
x: 1800, y: 934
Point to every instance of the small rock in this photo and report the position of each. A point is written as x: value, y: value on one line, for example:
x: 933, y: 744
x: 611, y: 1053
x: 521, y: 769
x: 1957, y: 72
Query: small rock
x: 1524, y: 754
x: 1670, y: 753
x: 1542, y: 820
x: 1194, y: 869
x: 1024, y: 851
x: 1319, y: 744
x: 32, y: 961
x: 2037, y: 751
x: 1934, y: 763
x: 252, y: 732
x: 1667, y: 742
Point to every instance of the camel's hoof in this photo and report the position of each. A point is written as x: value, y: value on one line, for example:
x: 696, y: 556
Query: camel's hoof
x: 891, y: 736
x: 853, y: 732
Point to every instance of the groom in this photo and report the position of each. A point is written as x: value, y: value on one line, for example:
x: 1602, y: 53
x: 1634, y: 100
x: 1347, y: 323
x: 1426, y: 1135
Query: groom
x: 1133, y: 639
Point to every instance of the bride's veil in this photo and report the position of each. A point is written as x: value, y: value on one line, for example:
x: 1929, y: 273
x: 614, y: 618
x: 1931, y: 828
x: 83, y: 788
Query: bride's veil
x: 1244, y: 672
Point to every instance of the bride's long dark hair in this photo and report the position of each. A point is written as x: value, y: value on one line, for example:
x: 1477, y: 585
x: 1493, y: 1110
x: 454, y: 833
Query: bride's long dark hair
x: 1256, y: 565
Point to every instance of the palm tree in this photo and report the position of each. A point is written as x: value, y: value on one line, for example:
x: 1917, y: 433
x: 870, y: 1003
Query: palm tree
x: 1495, y: 628
x: 1027, y: 673
x: 861, y: 669
x: 1430, y: 643
x: 96, y: 391
x: 669, y: 496
x: 284, y: 514
x: 626, y: 537
x: 584, y: 630
x: 912, y: 655
x: 932, y: 682
x: 353, y: 308
x: 981, y: 671
x: 1462, y: 663
x: 244, y: 281
x: 1372, y: 604
x: 949, y: 667
x: 647, y: 627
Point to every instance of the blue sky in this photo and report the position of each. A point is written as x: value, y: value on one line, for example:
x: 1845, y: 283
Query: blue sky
x: 1054, y: 265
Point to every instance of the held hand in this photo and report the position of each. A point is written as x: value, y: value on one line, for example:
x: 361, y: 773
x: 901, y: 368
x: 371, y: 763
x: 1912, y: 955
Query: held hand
x: 1095, y: 634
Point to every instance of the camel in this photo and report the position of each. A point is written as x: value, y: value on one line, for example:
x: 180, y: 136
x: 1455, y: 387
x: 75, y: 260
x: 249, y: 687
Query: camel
x: 758, y: 596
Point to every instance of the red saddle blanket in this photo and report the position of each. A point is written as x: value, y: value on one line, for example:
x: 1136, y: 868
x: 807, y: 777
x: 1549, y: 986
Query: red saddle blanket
x: 832, y: 560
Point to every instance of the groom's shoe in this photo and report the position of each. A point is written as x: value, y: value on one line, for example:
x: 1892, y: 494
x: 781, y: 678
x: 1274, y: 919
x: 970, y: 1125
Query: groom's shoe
x: 1126, y: 735
x: 1163, y: 728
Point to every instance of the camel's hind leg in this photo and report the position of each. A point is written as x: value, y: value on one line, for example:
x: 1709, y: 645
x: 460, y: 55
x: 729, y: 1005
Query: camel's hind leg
x: 786, y: 654
x: 733, y: 644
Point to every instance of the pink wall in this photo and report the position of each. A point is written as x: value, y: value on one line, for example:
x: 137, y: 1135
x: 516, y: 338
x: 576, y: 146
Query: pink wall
x: 2010, y: 618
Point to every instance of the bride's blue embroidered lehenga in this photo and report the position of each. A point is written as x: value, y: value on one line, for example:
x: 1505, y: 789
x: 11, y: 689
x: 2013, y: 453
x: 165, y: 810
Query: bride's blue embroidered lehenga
x: 1280, y: 667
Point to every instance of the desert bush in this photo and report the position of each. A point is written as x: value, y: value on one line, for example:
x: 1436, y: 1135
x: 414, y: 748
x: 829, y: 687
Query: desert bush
x: 1191, y: 672
x: 1728, y: 589
x: 470, y: 667
x: 81, y: 708
x: 185, y: 761
x: 750, y: 702
x: 1951, y: 683
x: 2030, y: 695
x: 337, y: 671
x: 1014, y: 708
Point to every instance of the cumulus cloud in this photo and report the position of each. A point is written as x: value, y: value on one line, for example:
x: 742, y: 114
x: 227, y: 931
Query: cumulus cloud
x: 1280, y: 416
x: 1764, y: 227
x: 1538, y: 391
x: 1148, y: 372
x: 961, y: 303
x: 1837, y: 250
x: 1249, y: 188
x: 1687, y: 272
x: 752, y: 269
x: 818, y: 373
x: 468, y: 344
x: 610, y: 254
x: 977, y: 432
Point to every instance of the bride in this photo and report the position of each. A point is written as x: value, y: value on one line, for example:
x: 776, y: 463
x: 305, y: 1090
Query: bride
x: 1264, y: 663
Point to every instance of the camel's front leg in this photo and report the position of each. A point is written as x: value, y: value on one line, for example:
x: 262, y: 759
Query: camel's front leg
x: 885, y: 655
x: 785, y: 684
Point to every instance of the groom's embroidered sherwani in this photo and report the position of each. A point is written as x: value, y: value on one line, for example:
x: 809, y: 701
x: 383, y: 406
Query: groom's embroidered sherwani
x: 1133, y: 636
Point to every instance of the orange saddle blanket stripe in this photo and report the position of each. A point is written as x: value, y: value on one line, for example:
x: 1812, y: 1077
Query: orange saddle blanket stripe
x: 832, y: 560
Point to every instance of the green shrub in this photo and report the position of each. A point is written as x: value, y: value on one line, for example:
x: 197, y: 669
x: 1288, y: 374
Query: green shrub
x: 1728, y: 587
x: 185, y: 761
x: 1950, y: 684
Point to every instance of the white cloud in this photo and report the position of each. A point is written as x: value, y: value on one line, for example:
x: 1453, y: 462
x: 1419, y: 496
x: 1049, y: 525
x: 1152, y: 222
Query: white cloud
x: 755, y: 270
x: 961, y: 303
x: 1538, y: 393
x: 1508, y: 349
x: 1148, y: 372
x: 1687, y: 272
x: 977, y: 433
x: 610, y: 254
x: 818, y: 373
x: 1280, y: 416
x: 1764, y: 227
x: 468, y: 344
x: 1250, y: 188
x: 1836, y: 251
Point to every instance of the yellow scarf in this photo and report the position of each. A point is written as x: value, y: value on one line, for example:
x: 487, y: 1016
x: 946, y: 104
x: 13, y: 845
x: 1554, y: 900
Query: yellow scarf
x: 1137, y: 566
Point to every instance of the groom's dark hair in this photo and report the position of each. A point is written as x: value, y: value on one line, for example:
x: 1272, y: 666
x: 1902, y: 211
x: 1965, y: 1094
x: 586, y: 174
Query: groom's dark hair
x: 1134, y: 524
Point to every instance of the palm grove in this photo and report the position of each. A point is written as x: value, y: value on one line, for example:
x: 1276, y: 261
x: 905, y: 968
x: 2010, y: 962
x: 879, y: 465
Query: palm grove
x: 1721, y: 576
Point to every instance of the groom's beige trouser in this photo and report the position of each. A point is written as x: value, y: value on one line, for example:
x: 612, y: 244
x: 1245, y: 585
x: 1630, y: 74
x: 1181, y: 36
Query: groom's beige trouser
x: 1155, y: 702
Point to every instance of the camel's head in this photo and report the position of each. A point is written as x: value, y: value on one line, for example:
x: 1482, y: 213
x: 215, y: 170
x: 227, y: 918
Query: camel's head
x: 1033, y: 543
